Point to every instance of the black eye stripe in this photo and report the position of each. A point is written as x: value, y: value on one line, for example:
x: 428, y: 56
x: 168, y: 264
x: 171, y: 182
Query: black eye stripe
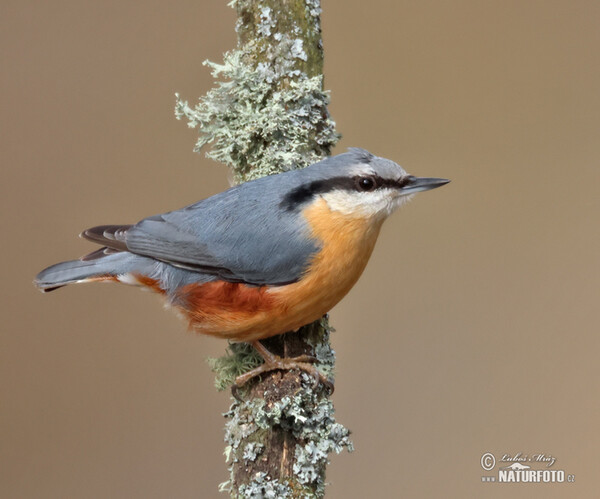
x: 304, y: 193
x: 301, y: 194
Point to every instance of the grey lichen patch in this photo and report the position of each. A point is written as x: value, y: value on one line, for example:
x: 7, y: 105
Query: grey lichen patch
x: 297, y: 50
x: 263, y: 487
x: 267, y: 23
x: 307, y: 416
x: 322, y: 435
x: 252, y: 451
x: 318, y: 336
x: 314, y: 8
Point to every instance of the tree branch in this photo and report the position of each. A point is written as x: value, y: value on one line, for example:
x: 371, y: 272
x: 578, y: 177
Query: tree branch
x: 266, y: 115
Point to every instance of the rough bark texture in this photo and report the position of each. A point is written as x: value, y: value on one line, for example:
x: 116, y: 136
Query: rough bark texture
x: 271, y: 115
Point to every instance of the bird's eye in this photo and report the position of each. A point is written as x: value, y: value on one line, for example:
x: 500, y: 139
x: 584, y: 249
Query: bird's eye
x: 365, y: 184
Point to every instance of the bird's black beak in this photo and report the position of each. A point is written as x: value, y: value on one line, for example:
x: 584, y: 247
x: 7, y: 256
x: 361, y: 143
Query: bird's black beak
x: 418, y: 184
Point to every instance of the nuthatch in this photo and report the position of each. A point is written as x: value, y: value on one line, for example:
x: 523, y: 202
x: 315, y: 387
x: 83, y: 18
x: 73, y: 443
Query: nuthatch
x: 262, y: 258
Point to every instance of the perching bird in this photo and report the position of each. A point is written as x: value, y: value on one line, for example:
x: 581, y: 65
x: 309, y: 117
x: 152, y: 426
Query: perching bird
x: 259, y: 259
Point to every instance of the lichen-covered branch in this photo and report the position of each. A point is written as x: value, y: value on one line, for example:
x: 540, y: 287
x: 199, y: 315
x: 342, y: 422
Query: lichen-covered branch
x: 267, y: 114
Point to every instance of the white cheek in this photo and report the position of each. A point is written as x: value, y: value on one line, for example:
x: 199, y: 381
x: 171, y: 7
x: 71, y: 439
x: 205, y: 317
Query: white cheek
x: 378, y: 204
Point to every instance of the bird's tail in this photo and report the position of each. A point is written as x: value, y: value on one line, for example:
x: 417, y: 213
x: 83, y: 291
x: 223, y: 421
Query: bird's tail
x: 104, y: 264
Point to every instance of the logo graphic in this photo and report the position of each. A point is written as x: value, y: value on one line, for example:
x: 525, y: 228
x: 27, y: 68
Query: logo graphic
x: 523, y: 468
x: 516, y: 466
x: 488, y: 461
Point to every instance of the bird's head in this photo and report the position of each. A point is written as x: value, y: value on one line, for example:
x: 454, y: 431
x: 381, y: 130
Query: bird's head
x: 359, y: 184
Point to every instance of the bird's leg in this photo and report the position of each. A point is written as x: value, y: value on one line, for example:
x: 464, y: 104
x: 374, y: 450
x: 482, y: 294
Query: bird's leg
x: 273, y: 362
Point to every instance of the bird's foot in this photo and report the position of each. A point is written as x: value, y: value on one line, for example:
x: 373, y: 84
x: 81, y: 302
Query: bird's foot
x: 275, y: 362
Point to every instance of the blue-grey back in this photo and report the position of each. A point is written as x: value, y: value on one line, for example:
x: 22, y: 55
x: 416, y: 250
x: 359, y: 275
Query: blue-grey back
x: 242, y: 234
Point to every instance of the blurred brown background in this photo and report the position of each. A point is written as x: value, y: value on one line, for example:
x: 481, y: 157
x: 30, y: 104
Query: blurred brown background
x: 474, y: 328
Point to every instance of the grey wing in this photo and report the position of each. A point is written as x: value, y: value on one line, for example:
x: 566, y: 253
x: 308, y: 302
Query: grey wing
x: 240, y: 235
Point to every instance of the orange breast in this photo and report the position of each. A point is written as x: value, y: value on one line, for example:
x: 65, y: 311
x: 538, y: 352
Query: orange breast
x: 347, y: 244
x: 246, y: 313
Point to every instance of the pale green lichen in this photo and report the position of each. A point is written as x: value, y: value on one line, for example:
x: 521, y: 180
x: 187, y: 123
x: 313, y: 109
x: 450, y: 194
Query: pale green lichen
x: 238, y: 359
x: 256, y: 128
x: 268, y: 112
x: 242, y: 357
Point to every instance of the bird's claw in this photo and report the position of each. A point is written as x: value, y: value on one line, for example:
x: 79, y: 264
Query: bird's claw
x: 302, y: 362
